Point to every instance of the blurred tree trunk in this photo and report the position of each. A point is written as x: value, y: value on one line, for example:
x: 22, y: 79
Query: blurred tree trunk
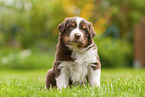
x: 139, y: 44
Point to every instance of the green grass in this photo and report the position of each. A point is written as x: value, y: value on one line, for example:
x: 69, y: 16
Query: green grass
x: 114, y: 82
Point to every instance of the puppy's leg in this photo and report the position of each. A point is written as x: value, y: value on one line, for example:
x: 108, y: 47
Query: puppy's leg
x: 50, y: 79
x: 94, y: 77
x: 62, y: 80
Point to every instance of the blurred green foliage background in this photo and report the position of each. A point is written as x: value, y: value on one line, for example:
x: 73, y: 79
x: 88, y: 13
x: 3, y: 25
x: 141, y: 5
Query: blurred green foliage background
x: 28, y: 30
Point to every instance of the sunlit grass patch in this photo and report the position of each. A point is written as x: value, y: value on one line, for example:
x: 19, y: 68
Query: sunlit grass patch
x: 114, y: 82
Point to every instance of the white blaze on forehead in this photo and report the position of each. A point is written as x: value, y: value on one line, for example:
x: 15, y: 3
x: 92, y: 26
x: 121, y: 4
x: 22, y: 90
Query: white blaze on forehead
x: 78, y: 20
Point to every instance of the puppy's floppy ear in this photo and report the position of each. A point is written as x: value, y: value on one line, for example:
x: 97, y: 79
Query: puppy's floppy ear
x: 61, y: 27
x: 92, y: 31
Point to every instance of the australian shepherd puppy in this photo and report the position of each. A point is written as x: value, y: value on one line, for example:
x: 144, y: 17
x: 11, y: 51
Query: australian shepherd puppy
x: 77, y: 59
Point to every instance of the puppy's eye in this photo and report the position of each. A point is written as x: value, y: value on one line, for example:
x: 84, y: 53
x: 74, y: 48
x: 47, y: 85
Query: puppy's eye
x: 70, y: 27
x: 85, y: 29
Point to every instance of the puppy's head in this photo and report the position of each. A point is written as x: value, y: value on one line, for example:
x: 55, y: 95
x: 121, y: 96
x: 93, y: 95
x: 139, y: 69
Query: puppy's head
x: 76, y: 31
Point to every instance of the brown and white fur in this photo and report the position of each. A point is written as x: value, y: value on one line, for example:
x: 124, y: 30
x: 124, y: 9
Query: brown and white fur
x: 76, y: 56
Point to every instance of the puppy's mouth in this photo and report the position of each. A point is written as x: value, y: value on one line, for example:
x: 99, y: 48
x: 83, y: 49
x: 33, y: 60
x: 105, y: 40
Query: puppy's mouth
x: 76, y: 42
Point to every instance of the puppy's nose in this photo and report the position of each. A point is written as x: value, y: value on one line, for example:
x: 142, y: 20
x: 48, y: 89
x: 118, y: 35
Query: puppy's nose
x: 77, y: 36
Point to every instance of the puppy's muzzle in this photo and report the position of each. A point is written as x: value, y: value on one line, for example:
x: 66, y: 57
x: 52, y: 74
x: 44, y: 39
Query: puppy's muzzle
x: 77, y: 36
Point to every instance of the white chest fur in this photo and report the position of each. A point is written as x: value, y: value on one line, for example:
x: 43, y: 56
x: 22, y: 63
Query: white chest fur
x: 78, y: 70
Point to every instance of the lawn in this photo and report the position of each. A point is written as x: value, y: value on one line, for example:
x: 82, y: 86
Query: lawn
x: 114, y: 82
